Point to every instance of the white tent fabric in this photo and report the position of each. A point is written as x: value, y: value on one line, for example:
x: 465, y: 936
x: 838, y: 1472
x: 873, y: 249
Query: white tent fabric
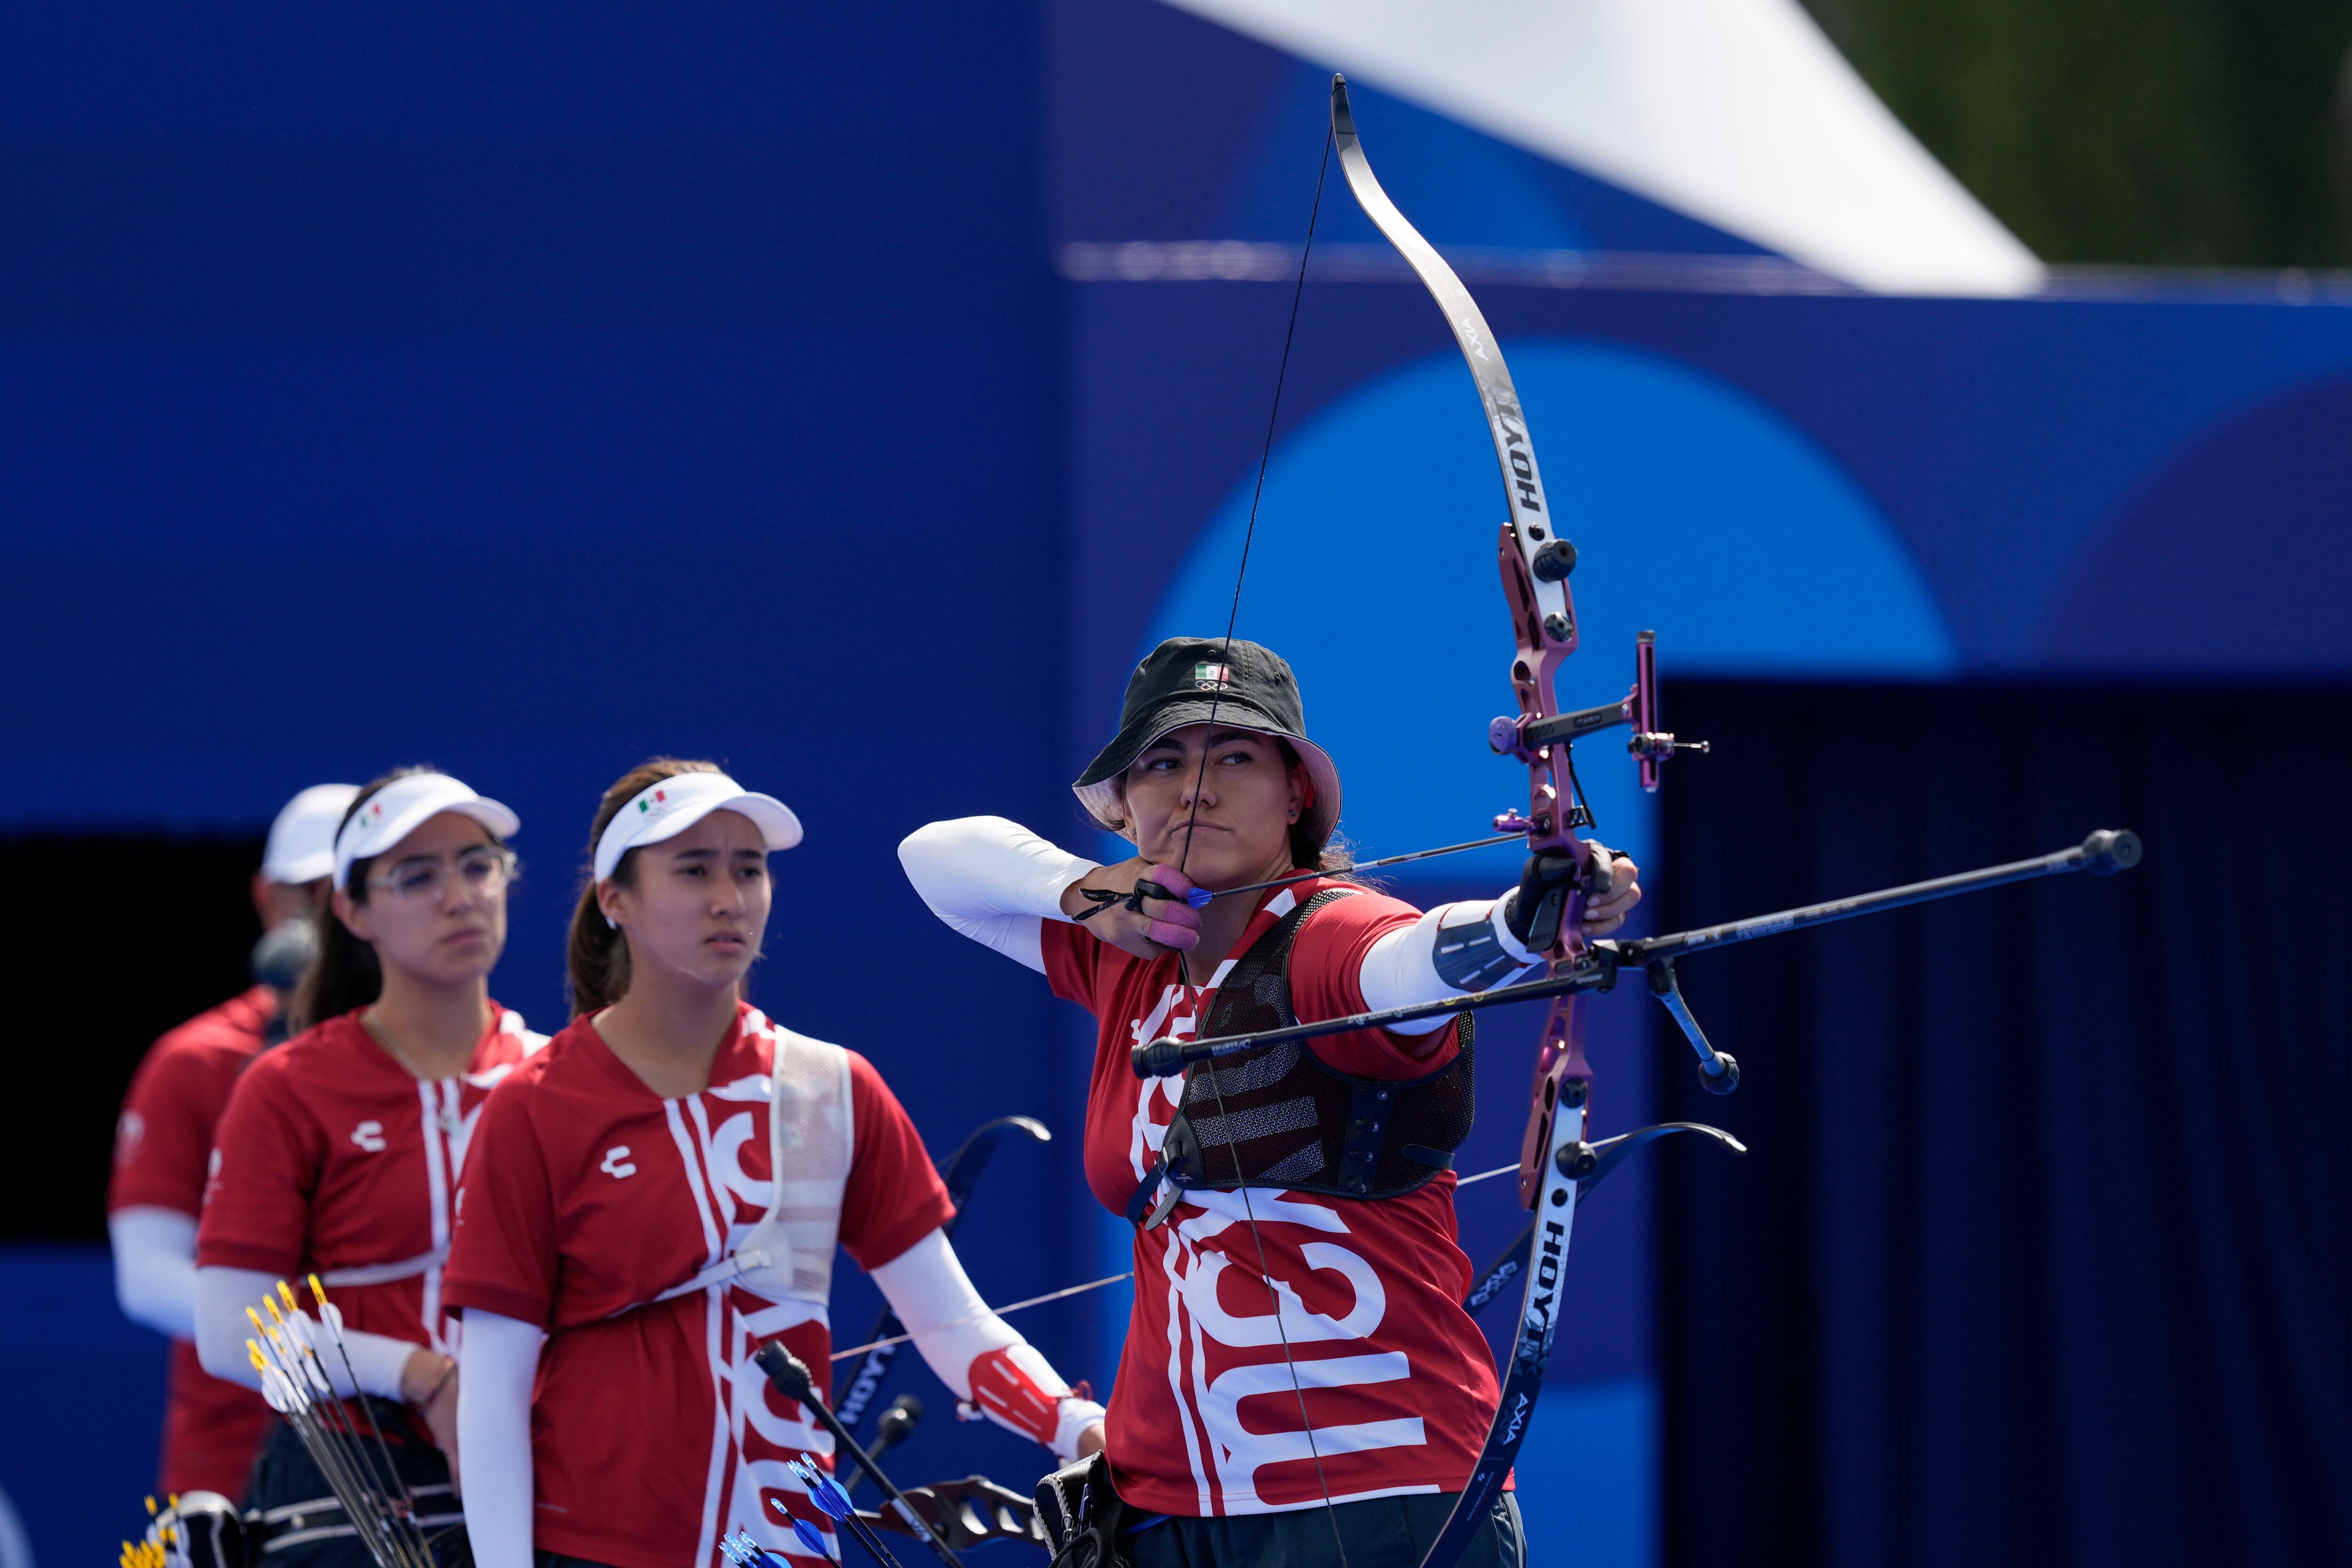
x: 1737, y: 112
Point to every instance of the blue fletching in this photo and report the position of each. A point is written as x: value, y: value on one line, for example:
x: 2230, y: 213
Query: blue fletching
x: 1199, y: 897
x: 831, y: 1497
x: 811, y: 1537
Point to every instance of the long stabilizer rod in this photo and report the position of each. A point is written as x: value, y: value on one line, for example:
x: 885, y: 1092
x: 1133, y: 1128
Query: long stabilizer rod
x: 2102, y: 853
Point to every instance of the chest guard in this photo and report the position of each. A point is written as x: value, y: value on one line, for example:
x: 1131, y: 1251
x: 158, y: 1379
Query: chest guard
x: 787, y: 1254
x: 1278, y: 1117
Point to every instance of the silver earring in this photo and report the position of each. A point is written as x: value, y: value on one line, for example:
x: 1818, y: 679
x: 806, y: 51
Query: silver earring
x: 612, y: 924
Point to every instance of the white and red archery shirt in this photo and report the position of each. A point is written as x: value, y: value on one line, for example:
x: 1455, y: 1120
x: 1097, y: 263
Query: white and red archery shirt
x: 334, y: 1159
x: 1398, y: 1382
x: 654, y: 1433
x: 163, y: 1143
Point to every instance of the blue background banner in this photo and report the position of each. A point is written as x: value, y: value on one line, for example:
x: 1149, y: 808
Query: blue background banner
x: 851, y: 398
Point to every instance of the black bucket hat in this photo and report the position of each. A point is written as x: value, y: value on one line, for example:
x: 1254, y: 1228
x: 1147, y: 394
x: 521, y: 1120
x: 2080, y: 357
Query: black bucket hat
x: 1183, y: 681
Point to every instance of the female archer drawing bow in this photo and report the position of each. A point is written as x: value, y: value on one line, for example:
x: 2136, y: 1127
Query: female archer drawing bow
x: 1557, y: 1164
x: 1373, y: 1136
x: 1218, y: 1450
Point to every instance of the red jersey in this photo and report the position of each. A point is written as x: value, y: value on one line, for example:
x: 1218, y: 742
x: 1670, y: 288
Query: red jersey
x: 211, y: 1427
x: 653, y: 1431
x: 1399, y: 1384
x: 333, y: 1158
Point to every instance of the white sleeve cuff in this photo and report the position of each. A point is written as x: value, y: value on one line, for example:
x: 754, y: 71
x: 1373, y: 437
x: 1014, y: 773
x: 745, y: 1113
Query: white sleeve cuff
x: 494, y: 1436
x: 1078, y: 1416
x: 993, y: 880
x: 933, y: 1296
x: 1401, y: 968
x: 155, y: 1268
x: 222, y: 1329
x: 378, y: 1360
x: 952, y: 1327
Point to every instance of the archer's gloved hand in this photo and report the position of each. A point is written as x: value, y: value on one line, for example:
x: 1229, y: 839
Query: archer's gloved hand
x: 1616, y: 889
x: 1532, y: 911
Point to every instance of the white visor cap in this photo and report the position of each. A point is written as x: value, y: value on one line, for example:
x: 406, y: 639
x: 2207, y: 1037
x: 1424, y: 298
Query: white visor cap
x: 403, y: 806
x: 668, y: 807
x: 302, y: 846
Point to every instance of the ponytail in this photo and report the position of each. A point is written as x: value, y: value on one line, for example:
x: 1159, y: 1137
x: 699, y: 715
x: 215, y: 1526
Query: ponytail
x: 346, y: 974
x: 597, y: 955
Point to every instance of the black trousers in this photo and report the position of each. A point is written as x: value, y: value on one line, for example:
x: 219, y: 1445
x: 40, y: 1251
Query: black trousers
x: 285, y: 1478
x: 1380, y: 1532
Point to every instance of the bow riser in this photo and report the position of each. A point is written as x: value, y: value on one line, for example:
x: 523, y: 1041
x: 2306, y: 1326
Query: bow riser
x: 1560, y: 1074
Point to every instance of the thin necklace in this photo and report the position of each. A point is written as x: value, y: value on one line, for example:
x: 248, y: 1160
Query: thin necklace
x: 408, y: 1064
x: 442, y: 1113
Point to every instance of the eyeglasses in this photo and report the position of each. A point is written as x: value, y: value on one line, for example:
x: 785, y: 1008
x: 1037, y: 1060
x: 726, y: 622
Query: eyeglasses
x: 482, y: 873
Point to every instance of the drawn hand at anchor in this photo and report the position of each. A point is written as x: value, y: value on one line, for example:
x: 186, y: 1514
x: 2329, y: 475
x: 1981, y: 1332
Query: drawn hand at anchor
x: 1136, y: 906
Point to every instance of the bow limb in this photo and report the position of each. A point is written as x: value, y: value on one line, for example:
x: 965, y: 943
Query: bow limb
x: 1535, y: 563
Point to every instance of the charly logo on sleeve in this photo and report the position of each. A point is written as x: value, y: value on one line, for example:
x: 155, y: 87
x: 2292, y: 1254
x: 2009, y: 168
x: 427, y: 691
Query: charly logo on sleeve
x: 618, y: 1163
x: 369, y: 1135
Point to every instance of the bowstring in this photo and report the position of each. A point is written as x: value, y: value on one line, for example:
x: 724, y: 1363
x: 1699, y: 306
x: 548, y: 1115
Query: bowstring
x: 1200, y: 777
x: 1257, y: 494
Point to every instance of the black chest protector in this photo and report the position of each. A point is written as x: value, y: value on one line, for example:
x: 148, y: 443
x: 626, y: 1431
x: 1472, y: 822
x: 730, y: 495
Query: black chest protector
x: 1278, y: 1117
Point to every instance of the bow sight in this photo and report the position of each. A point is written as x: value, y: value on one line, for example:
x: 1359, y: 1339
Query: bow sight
x: 1524, y: 736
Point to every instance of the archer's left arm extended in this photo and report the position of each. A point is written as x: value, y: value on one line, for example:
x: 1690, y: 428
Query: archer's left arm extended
x: 989, y: 1368
x: 1480, y: 944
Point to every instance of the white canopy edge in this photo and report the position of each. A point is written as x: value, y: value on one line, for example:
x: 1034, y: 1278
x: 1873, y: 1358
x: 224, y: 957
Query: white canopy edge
x: 1737, y: 112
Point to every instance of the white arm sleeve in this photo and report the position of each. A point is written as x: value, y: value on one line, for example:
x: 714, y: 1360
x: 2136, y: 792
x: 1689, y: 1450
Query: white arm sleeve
x: 155, y: 1268
x: 953, y: 1327
x: 222, y: 1328
x: 494, y: 1434
x: 1400, y: 968
x: 993, y: 880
